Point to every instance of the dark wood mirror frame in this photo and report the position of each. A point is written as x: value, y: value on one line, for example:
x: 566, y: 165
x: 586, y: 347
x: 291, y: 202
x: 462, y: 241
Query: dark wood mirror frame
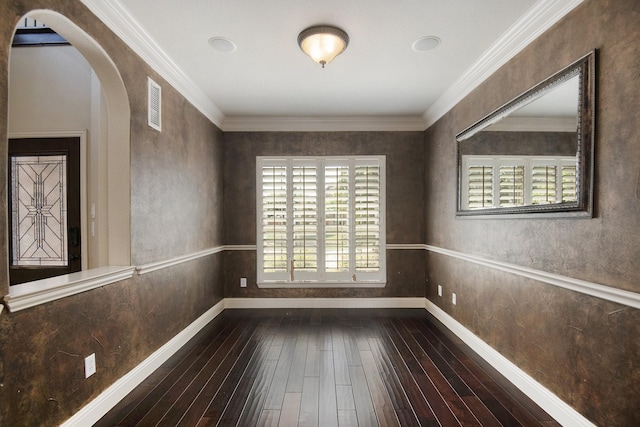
x: 585, y: 68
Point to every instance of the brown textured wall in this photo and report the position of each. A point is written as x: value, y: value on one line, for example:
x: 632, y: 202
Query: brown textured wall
x: 176, y: 195
x: 405, y: 203
x: 584, y: 349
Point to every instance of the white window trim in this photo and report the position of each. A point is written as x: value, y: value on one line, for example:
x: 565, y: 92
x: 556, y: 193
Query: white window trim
x: 497, y: 161
x: 365, y: 280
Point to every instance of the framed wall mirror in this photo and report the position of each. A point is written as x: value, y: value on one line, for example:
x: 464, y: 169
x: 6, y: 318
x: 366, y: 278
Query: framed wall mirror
x: 535, y: 154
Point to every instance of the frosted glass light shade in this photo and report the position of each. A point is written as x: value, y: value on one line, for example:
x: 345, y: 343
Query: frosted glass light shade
x: 323, y: 43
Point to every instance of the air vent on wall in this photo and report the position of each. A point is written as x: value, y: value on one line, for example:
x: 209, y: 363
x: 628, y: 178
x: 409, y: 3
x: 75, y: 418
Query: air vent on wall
x: 155, y: 112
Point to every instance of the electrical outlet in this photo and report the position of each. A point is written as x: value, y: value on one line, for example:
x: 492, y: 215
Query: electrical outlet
x: 439, y: 290
x: 243, y: 282
x: 453, y: 298
x: 89, y: 365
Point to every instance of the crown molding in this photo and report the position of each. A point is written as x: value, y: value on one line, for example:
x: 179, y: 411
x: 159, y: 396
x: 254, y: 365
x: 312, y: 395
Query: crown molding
x: 322, y: 124
x: 532, y: 24
x: 119, y: 20
x: 538, y: 19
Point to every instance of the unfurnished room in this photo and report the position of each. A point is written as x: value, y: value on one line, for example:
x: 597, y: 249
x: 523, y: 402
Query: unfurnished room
x: 320, y: 213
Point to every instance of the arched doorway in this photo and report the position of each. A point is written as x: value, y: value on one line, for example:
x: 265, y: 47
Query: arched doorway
x: 115, y: 183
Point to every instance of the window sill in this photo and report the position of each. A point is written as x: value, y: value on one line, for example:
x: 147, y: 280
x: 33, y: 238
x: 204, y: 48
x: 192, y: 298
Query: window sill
x: 310, y: 284
x: 31, y: 294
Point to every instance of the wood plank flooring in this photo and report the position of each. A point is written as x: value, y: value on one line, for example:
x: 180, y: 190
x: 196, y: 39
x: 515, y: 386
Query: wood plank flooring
x: 325, y: 367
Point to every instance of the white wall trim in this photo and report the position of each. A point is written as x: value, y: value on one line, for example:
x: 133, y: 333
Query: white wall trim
x: 120, y: 21
x: 532, y: 24
x: 158, y: 265
x: 301, y: 284
x: 405, y: 246
x: 254, y: 303
x: 38, y: 292
x: 106, y: 400
x: 323, y: 124
x: 389, y: 246
x: 620, y: 296
x: 240, y: 247
x: 609, y: 293
x: 99, y: 406
x: 552, y: 404
x: 537, y: 20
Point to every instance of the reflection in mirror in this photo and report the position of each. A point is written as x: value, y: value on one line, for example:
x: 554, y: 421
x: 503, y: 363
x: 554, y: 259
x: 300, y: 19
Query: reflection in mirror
x: 535, y: 154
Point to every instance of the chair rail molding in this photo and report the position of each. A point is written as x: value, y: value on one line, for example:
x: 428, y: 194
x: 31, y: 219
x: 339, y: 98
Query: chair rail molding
x: 609, y: 293
x: 30, y: 294
x: 159, y: 265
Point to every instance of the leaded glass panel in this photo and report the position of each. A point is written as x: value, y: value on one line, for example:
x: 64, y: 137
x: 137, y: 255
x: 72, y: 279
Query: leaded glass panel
x: 39, y: 210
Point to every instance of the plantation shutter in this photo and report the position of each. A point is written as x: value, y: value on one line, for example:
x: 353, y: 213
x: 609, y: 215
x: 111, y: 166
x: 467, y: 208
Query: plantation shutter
x: 336, y: 227
x: 367, y: 218
x: 511, y: 188
x: 543, y: 184
x: 305, y: 220
x: 480, y: 186
x: 569, y: 183
x: 274, y: 220
x: 320, y: 220
x: 517, y: 181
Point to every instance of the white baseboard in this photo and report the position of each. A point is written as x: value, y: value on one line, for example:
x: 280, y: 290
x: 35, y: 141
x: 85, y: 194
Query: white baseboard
x: 558, y: 409
x: 548, y: 401
x: 415, y: 302
x: 99, y: 406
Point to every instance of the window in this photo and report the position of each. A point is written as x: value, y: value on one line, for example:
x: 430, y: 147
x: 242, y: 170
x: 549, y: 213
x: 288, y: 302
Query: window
x: 508, y: 181
x: 320, y: 220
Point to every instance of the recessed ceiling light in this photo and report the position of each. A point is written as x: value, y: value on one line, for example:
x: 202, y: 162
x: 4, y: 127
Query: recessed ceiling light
x: 424, y: 44
x: 222, y: 44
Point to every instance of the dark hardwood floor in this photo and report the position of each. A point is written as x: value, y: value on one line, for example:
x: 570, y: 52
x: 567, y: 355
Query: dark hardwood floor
x: 323, y: 367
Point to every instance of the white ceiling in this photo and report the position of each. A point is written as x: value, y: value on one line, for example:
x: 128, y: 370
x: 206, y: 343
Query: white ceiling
x: 379, y: 78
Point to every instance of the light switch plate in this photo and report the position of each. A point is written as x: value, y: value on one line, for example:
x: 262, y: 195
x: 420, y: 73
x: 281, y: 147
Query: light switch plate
x: 439, y: 290
x: 89, y: 365
x: 453, y: 298
x: 243, y: 282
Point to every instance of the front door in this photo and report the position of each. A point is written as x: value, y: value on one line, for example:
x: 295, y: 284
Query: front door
x: 44, y: 208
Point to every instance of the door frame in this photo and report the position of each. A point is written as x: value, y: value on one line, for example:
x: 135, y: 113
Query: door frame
x: 82, y: 134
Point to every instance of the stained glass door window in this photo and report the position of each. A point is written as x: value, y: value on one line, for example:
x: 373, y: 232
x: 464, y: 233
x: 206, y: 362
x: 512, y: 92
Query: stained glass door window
x: 44, y: 208
x: 39, y: 210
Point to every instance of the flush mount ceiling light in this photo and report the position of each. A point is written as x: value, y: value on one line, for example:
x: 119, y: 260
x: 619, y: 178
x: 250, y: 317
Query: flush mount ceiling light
x: 323, y: 43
